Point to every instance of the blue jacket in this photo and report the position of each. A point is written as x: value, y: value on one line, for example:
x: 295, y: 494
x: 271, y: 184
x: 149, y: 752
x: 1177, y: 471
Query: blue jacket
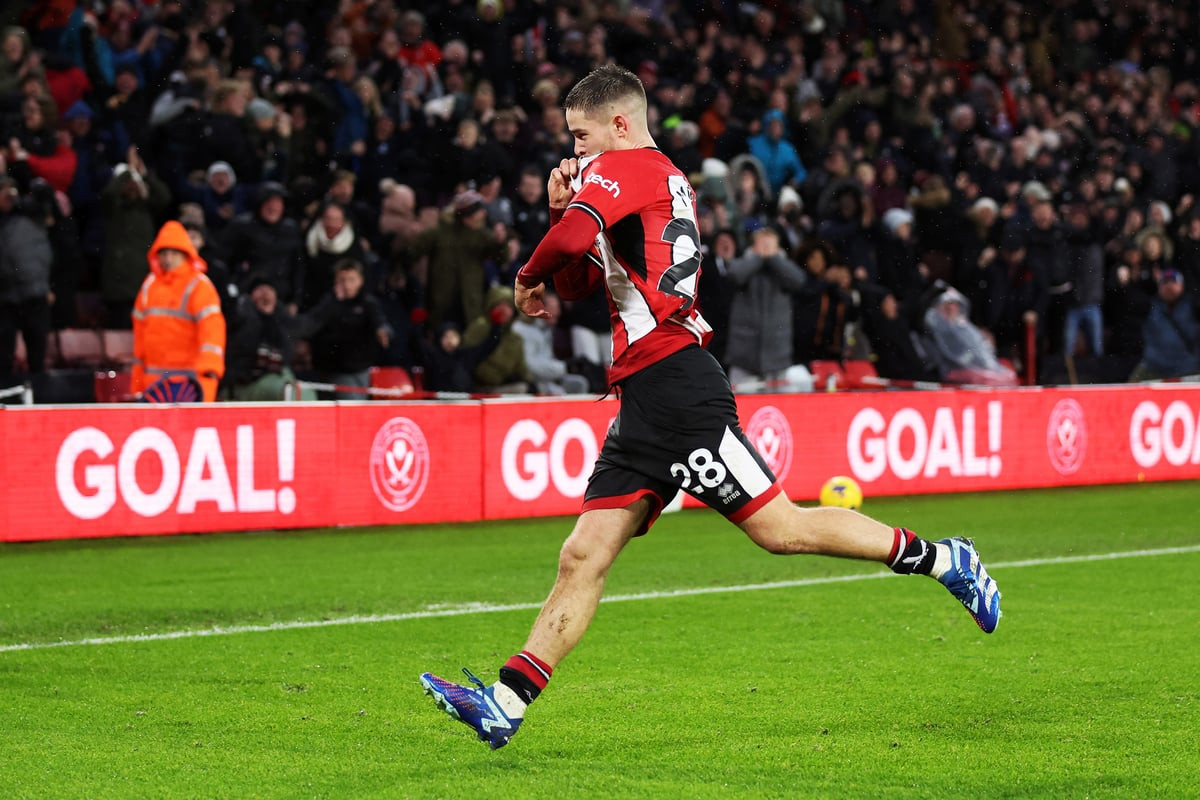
x: 1172, y: 337
x: 778, y: 156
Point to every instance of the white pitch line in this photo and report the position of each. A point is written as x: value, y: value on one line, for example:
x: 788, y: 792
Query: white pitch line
x: 458, y: 610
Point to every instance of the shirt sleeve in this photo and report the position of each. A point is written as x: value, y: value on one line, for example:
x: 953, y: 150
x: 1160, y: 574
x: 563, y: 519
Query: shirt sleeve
x: 563, y: 246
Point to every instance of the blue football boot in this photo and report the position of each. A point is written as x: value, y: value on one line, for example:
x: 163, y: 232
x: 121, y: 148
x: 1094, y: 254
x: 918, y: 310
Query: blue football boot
x: 970, y: 583
x: 474, y: 707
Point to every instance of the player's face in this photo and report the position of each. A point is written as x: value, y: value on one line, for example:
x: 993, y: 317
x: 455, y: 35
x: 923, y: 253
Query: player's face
x: 592, y: 134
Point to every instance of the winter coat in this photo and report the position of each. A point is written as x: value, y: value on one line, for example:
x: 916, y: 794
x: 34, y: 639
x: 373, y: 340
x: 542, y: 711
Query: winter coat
x: 25, y: 259
x: 456, y: 270
x: 177, y: 320
x: 760, y: 312
x: 343, y: 333
x: 506, y: 363
x: 1172, y: 337
x: 129, y: 230
x: 778, y: 156
x: 256, y: 247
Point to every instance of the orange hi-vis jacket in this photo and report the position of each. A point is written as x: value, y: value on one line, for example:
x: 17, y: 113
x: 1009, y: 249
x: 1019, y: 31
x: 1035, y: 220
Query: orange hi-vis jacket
x: 177, y: 320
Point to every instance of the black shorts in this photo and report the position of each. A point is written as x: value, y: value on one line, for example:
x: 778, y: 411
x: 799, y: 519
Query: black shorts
x: 678, y: 429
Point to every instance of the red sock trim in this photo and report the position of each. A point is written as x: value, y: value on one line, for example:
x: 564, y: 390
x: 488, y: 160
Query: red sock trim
x: 531, y: 667
x: 903, y: 537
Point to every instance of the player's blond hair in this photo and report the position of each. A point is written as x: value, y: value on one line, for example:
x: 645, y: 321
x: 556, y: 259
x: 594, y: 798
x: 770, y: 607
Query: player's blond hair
x: 606, y: 86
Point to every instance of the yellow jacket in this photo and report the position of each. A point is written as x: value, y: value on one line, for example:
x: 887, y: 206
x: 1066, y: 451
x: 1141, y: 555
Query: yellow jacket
x: 177, y: 320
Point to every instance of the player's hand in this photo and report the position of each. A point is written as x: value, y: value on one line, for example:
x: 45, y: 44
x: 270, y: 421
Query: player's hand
x: 529, y: 300
x: 558, y: 188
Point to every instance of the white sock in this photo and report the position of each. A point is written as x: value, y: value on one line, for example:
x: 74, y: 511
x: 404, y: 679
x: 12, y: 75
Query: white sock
x: 509, y: 701
x: 942, y: 561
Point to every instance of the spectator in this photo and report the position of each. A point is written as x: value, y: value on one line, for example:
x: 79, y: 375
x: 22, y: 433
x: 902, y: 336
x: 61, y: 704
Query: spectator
x: 346, y: 330
x: 979, y: 272
x: 267, y: 242
x: 260, y: 346
x: 1171, y: 333
x: 457, y: 250
x: 777, y: 155
x: 900, y: 270
x: 224, y: 135
x: 25, y: 263
x: 760, y: 312
x: 961, y: 351
x: 1085, y: 265
x: 1046, y: 256
x: 219, y: 196
x: 531, y: 216
x: 329, y: 242
x: 398, y: 221
x: 349, y: 140
x: 504, y: 370
x: 893, y: 341
x: 450, y: 367
x: 549, y: 374
x: 715, y: 290
x: 177, y: 320
x: 823, y: 307
x: 131, y: 203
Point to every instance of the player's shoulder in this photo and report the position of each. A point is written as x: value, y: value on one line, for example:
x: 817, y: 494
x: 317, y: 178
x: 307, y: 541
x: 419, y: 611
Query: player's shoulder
x: 613, y: 170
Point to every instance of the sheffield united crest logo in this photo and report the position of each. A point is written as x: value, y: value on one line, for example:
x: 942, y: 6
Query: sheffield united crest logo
x: 770, y: 433
x: 1066, y: 437
x: 399, y: 464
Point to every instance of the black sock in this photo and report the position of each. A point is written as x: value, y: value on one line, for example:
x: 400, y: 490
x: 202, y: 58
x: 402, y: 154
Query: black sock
x: 526, y: 689
x: 914, y: 555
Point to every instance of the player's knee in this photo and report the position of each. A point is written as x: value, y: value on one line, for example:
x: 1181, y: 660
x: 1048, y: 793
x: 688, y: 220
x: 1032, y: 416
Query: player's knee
x: 580, y: 558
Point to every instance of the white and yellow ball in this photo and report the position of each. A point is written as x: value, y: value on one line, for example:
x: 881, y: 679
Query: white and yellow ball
x: 841, y: 491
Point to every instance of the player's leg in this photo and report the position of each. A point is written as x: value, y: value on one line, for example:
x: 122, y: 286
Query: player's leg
x: 583, y: 564
x: 783, y: 528
x: 496, y: 711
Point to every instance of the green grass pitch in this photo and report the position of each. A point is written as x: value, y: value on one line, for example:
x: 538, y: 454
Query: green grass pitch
x: 761, y: 678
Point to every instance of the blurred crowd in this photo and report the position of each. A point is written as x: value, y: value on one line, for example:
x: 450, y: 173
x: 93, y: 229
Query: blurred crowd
x: 931, y: 185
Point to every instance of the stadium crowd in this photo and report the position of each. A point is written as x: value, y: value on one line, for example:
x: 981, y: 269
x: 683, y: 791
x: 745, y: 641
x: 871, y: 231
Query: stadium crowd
x: 363, y: 178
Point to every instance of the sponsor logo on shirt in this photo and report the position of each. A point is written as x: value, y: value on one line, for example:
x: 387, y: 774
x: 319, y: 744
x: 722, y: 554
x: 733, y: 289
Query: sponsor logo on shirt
x: 610, y: 186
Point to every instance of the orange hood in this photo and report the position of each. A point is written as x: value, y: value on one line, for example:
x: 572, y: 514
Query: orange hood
x: 173, y: 236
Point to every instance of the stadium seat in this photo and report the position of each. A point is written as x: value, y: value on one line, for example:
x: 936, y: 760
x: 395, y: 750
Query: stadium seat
x: 78, y: 347
x: 391, y: 378
x: 828, y: 375
x: 117, y: 346
x: 112, y: 386
x: 857, y: 371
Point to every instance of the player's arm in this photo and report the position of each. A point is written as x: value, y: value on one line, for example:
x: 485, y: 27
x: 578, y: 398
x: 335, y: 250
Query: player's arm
x: 562, y: 247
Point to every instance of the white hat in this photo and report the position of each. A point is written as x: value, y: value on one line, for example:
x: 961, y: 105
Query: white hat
x: 789, y: 197
x: 222, y: 166
x: 985, y: 202
x: 1037, y: 189
x: 893, y: 218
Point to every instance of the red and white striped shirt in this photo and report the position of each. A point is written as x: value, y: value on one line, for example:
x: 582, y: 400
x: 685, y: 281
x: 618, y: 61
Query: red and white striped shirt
x: 631, y: 226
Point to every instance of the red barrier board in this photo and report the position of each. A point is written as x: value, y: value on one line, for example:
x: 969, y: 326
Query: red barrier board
x: 85, y: 471
x: 926, y: 442
x: 129, y: 470
x: 537, y: 455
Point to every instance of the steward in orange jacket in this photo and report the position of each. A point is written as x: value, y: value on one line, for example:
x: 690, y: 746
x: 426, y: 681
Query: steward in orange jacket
x: 177, y: 321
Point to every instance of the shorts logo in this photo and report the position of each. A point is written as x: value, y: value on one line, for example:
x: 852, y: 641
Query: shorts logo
x: 770, y: 433
x: 399, y: 464
x: 1066, y: 437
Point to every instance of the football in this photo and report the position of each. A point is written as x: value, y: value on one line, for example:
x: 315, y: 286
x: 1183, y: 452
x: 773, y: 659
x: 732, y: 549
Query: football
x: 842, y: 491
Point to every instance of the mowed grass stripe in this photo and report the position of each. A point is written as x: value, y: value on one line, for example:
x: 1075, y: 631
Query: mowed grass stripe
x: 491, y: 608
